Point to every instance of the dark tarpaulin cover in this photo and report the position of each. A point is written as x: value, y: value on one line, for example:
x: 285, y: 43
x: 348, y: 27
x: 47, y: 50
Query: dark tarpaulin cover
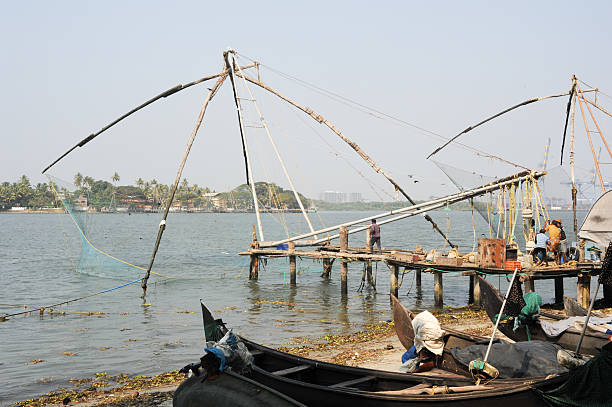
x: 520, y: 359
x: 588, y: 385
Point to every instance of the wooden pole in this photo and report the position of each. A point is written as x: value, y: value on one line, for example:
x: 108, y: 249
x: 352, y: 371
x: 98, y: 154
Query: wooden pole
x: 327, y: 268
x: 558, y: 290
x: 343, y: 264
x: 417, y: 278
x: 249, y: 171
x: 529, y: 284
x: 351, y: 143
x: 369, y: 263
x: 584, y: 289
x: 438, y: 289
x: 254, y: 267
x: 162, y: 224
x: 254, y: 264
x: 394, y: 283
x: 292, y: 264
x: 476, y: 291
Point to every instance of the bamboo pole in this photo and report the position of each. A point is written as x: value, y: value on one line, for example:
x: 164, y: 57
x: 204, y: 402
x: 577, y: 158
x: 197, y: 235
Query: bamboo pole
x: 470, y: 128
x: 164, y: 94
x: 230, y: 67
x: 572, y: 163
x: 595, y: 121
x: 413, y: 209
x: 280, y: 159
x: 162, y: 225
x: 595, y: 160
x: 351, y: 143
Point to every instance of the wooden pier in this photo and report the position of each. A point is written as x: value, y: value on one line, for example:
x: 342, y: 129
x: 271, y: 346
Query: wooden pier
x: 415, y: 260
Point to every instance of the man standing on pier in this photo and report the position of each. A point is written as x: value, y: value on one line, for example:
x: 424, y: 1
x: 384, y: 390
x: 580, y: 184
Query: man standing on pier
x: 374, y: 235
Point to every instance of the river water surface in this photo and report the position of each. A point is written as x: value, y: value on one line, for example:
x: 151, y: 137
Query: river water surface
x: 38, y: 254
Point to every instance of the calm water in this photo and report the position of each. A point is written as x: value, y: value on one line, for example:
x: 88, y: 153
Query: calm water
x: 38, y: 253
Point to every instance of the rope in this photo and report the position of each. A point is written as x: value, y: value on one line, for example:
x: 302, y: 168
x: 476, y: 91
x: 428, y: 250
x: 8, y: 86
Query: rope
x: 75, y: 299
x: 374, y: 112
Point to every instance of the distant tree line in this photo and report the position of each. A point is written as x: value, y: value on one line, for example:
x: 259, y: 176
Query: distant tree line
x: 104, y: 194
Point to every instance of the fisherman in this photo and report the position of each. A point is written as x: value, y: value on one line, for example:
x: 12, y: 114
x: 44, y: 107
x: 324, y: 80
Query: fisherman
x: 541, y: 241
x: 554, y: 236
x: 374, y: 235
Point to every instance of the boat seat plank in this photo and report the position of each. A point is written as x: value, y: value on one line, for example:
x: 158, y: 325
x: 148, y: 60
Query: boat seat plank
x: 291, y: 370
x: 350, y: 383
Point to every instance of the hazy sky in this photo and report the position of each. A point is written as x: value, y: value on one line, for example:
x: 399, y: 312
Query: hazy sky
x: 70, y: 67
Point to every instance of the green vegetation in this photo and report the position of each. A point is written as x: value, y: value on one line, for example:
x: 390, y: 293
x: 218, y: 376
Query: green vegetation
x: 100, y: 195
x: 378, y: 206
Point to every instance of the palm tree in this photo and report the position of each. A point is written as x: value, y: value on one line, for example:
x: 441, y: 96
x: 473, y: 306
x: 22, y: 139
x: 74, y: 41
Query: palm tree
x: 89, y: 181
x: 116, y: 178
x: 140, y: 183
x: 78, y: 180
x: 184, y: 184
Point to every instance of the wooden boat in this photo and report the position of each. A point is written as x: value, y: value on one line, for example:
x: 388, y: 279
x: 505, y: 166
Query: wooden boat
x: 573, y: 309
x: 320, y: 384
x: 492, y: 299
x: 229, y: 390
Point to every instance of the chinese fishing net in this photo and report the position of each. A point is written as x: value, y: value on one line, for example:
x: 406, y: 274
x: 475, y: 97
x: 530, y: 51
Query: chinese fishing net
x: 91, y: 240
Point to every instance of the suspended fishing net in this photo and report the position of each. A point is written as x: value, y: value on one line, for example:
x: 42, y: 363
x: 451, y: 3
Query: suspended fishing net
x: 91, y: 242
x: 465, y: 180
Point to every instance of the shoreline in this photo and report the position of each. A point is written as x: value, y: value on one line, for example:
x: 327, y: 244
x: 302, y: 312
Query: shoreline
x: 376, y: 346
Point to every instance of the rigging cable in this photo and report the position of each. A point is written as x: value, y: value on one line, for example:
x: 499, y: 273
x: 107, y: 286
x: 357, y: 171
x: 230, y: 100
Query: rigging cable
x: 368, y: 110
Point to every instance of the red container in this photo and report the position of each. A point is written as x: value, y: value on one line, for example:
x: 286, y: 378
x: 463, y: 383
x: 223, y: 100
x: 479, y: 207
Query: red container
x: 512, y: 264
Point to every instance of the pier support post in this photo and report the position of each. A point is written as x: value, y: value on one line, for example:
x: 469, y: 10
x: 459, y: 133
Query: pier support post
x: 343, y: 264
x: 558, y: 290
x: 417, y: 278
x: 254, y: 267
x: 528, y: 284
x: 474, y: 295
x: 394, y: 283
x: 584, y: 290
x: 292, y: 264
x: 581, y: 252
x: 438, y: 290
x: 254, y: 263
x: 327, y: 268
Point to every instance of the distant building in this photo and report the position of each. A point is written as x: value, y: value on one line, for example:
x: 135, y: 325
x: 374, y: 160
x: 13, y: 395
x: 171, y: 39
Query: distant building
x: 355, y: 197
x: 340, y: 197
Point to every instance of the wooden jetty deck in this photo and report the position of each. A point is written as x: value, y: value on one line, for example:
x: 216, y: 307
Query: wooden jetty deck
x: 413, y: 260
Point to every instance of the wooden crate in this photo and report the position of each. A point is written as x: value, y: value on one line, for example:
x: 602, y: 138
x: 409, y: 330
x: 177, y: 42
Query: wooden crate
x: 491, y: 252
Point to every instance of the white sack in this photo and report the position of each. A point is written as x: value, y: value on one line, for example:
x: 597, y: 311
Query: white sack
x: 427, y: 333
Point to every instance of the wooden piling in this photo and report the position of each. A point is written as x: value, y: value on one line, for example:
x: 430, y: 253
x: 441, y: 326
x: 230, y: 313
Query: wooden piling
x: 418, y: 279
x: 254, y: 263
x: 558, y: 290
x: 254, y: 267
x: 474, y: 293
x: 394, y: 283
x: 583, y: 286
x: 369, y: 263
x: 327, y: 267
x: 438, y: 289
x: 528, y: 284
x: 343, y: 264
x: 292, y: 265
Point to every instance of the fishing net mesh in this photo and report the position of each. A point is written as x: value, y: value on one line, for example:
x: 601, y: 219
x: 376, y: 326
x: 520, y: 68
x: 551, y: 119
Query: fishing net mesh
x: 92, y: 242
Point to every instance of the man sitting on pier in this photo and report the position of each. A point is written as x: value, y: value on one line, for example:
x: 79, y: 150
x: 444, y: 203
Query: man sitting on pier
x: 374, y: 235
